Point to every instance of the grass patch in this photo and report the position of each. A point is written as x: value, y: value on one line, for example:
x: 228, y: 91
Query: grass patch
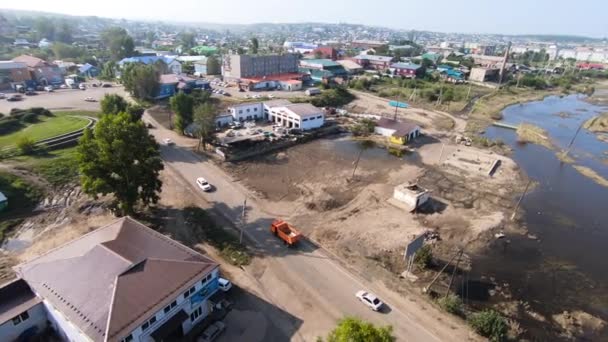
x: 598, y: 124
x: 22, y: 197
x: 44, y: 127
x: 58, y: 167
x: 227, y: 243
x: 592, y: 174
x: 527, y: 133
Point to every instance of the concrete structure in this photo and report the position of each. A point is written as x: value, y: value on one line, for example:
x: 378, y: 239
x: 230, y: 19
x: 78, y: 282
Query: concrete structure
x: 367, y: 44
x: 411, y: 195
x: 42, y: 72
x: 290, y: 85
x: 484, y: 74
x: 407, y: 70
x: 488, y: 61
x: 301, y: 115
x: 122, y: 282
x: 13, y: 73
x: 236, y: 67
x: 397, y: 132
x: 373, y: 62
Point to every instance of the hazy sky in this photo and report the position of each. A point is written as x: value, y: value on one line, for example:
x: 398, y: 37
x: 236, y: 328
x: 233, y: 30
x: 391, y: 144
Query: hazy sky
x: 588, y: 17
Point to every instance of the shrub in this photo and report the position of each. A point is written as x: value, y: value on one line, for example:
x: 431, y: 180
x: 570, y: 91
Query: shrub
x: 364, y: 128
x: 424, y: 257
x: 29, y: 118
x: 26, y: 145
x: 490, y: 324
x: 451, y: 304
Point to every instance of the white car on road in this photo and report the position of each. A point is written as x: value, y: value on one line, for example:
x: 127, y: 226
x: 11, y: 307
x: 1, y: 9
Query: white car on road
x: 369, y: 299
x: 203, y: 184
x: 225, y: 284
x: 168, y: 142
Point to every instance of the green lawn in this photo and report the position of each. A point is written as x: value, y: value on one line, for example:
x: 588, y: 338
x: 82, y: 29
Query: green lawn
x: 46, y: 127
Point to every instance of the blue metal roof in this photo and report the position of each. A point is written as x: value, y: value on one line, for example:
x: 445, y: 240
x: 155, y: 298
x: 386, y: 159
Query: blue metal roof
x: 85, y: 68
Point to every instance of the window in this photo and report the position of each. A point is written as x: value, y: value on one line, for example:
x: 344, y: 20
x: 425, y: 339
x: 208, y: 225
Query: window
x: 241, y: 111
x: 320, y: 117
x: 255, y: 109
x: 304, y: 119
x: 20, y: 318
x: 196, y: 313
x: 170, y: 306
x: 147, y: 324
x: 127, y: 339
x: 189, y: 292
x: 248, y: 110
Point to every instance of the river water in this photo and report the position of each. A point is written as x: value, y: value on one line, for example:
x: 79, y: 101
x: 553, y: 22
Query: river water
x: 567, y: 267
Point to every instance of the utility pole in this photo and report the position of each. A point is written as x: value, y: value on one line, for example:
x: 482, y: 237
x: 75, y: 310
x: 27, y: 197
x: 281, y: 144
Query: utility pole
x: 356, y: 164
x: 573, y: 138
x: 520, y: 199
x: 469, y: 91
x: 425, y: 289
x: 454, y: 273
x: 243, y: 220
x: 504, y: 65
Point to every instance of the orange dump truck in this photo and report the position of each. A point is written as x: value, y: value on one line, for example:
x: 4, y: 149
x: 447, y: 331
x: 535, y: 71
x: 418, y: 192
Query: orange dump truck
x: 285, y: 231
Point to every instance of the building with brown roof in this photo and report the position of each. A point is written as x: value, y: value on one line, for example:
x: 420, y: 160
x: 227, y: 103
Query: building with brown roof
x: 41, y: 71
x: 122, y: 282
x: 398, y: 132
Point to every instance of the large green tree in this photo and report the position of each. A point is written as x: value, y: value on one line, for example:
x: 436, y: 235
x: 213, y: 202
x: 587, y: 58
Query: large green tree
x: 255, y: 45
x: 352, y: 329
x: 213, y: 66
x: 204, y: 121
x: 183, y: 106
x: 108, y: 71
x: 113, y: 104
x: 118, y: 42
x: 140, y: 80
x: 188, y: 40
x: 120, y: 158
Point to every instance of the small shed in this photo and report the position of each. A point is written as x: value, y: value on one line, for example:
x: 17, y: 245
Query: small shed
x: 411, y: 195
x: 3, y: 202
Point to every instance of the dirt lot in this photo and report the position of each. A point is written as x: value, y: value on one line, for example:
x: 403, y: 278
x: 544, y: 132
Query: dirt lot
x: 310, y: 186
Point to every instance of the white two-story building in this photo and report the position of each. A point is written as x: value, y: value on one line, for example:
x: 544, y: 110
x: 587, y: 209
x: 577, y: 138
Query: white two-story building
x: 122, y: 282
x: 282, y: 112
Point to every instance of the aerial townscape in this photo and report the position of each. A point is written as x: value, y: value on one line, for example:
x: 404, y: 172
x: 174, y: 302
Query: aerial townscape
x: 166, y: 179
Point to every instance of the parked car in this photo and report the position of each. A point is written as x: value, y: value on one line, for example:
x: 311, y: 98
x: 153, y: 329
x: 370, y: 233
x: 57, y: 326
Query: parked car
x: 82, y: 86
x: 370, y: 300
x: 30, y: 92
x: 212, y: 332
x: 2, y: 95
x: 64, y: 86
x: 106, y: 85
x: 49, y: 89
x: 225, y: 284
x: 90, y: 99
x: 203, y: 184
x: 168, y: 142
x: 270, y: 96
x: 226, y: 94
x: 15, y: 97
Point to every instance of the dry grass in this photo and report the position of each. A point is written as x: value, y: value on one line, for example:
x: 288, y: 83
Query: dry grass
x: 598, y: 124
x: 564, y: 157
x: 528, y: 133
x: 590, y: 173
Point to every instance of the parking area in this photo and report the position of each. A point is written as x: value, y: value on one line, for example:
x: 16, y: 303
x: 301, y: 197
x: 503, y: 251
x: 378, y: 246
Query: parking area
x: 63, y: 99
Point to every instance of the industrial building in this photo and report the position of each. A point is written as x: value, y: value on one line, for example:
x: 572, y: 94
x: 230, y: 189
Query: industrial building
x: 322, y: 70
x: 484, y: 74
x: 236, y: 67
x: 373, y: 62
x: 122, y: 282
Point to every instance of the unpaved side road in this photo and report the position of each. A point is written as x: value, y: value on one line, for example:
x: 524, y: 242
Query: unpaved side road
x: 308, y: 282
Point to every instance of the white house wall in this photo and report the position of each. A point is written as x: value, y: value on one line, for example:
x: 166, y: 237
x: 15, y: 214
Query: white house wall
x: 10, y: 332
x: 312, y: 122
x: 64, y: 328
x: 247, y: 112
x: 387, y: 132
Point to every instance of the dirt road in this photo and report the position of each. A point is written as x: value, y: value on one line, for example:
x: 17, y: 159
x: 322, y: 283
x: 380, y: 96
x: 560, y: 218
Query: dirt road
x: 307, y: 282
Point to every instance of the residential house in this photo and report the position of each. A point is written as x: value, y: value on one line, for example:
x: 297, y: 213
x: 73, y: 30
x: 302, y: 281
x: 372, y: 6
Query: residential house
x: 299, y: 47
x: 433, y: 57
x: 21, y: 42
x: 122, y: 282
x: 173, y: 65
x: 44, y: 43
x: 88, y: 70
x: 12, y: 74
x: 374, y: 62
x: 42, y: 72
x: 325, y: 52
x: 170, y: 84
x: 367, y: 44
x: 407, y: 70
x: 350, y: 66
x: 322, y: 70
x: 397, y: 132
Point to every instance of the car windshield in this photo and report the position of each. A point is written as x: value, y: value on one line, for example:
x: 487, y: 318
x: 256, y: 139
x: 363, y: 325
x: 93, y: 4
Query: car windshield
x: 376, y: 301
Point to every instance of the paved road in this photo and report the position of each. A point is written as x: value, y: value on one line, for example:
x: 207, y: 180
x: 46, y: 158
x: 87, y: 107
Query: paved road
x: 315, y: 281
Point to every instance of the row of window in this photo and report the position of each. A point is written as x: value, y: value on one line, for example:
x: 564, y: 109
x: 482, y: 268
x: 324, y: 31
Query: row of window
x: 196, y: 313
x: 21, y: 317
x: 189, y: 292
x: 148, y: 323
x: 248, y: 110
x: 311, y: 119
x: 170, y: 307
